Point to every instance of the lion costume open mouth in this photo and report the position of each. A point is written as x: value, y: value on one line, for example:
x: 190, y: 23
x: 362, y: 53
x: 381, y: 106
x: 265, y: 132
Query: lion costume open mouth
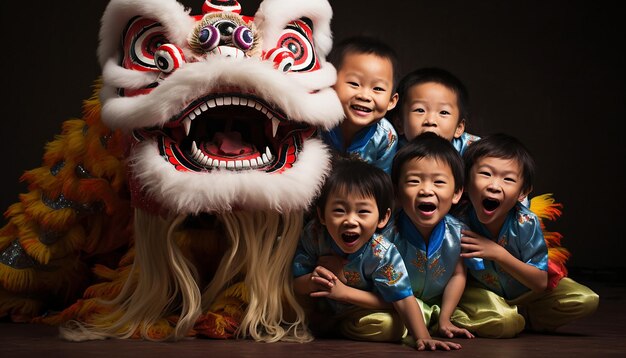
x: 230, y: 131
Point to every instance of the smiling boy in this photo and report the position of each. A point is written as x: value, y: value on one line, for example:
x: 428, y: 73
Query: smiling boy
x: 366, y: 70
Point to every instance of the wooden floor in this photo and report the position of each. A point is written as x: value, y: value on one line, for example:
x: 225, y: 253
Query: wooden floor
x: 601, y: 335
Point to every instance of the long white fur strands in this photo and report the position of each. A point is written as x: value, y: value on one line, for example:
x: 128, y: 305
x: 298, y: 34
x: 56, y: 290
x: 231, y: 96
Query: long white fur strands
x: 262, y: 247
x: 161, y: 282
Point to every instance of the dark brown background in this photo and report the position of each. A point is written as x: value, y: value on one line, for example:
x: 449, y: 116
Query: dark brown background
x: 551, y: 73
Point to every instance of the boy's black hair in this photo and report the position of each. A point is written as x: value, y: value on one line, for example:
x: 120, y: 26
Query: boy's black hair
x: 364, y: 44
x: 503, y: 146
x: 436, y: 75
x: 354, y: 175
x: 429, y: 145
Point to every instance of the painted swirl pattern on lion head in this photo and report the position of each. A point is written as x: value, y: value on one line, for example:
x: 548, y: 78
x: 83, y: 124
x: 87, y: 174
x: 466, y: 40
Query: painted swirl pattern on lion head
x: 222, y: 108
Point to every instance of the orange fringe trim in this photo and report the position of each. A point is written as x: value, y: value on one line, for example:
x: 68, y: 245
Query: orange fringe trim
x: 546, y: 208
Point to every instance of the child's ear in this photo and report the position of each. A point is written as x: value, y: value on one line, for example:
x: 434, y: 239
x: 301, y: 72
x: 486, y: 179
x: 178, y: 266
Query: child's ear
x: 457, y: 196
x: 320, y: 216
x: 383, y: 222
x: 460, y: 128
x: 393, y: 101
x: 524, y: 194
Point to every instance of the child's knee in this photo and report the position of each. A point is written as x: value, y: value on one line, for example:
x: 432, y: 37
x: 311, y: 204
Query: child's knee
x: 589, y: 303
x: 578, y: 302
x: 378, y: 326
x: 507, y: 326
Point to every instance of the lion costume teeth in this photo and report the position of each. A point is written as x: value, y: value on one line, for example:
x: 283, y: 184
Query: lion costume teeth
x: 212, y: 120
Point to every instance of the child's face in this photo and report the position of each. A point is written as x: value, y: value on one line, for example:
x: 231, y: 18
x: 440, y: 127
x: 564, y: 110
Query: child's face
x: 365, y: 89
x: 426, y: 192
x: 351, y: 219
x: 431, y: 107
x: 495, y: 186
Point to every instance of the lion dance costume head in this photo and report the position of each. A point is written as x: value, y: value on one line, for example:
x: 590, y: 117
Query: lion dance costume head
x: 202, y: 130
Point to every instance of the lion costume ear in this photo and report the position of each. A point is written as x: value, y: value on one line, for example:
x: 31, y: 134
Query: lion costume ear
x: 172, y: 18
x: 274, y: 16
x: 303, y: 27
x: 130, y: 33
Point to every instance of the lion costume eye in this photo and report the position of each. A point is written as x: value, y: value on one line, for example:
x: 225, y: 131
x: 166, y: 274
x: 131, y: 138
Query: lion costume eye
x: 168, y: 58
x: 209, y: 37
x: 283, y: 58
x: 243, y: 38
x: 219, y: 33
x: 297, y: 38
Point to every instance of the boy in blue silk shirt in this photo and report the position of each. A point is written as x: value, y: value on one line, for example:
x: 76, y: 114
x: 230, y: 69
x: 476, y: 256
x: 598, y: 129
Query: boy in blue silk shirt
x: 366, y: 70
x: 508, y: 237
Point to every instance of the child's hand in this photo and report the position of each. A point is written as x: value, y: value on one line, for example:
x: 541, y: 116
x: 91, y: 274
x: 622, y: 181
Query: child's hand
x: 447, y: 329
x: 429, y: 344
x: 328, y: 284
x: 335, y: 264
x: 474, y: 245
x: 322, y: 280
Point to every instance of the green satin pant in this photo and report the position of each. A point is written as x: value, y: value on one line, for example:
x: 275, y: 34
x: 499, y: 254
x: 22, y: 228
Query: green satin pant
x: 486, y: 314
x: 481, y: 312
x: 384, y: 325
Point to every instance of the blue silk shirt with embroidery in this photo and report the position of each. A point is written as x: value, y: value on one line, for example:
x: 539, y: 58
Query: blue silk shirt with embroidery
x: 464, y: 141
x: 460, y: 144
x: 375, y: 144
x: 376, y: 267
x: 520, y: 235
x: 430, y: 268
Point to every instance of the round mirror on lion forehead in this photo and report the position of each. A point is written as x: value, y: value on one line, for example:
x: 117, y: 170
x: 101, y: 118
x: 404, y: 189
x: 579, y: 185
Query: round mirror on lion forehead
x: 221, y: 6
